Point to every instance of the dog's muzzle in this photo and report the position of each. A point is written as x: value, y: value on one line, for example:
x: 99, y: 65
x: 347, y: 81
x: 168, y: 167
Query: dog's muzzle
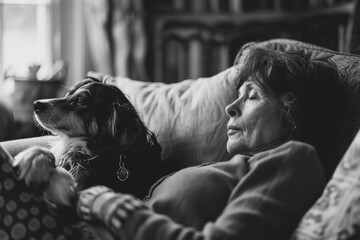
x: 39, y: 106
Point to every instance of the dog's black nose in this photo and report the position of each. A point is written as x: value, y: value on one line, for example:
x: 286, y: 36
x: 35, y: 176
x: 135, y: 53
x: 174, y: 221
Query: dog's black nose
x: 39, y: 106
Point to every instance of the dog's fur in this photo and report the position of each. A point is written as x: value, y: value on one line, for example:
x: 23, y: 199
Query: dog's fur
x: 97, y: 124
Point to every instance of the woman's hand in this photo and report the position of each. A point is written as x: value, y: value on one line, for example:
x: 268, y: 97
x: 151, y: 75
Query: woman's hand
x: 61, y: 187
x: 112, y: 209
x: 86, y: 208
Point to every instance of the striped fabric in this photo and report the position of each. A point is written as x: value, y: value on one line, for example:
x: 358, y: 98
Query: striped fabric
x: 103, y: 204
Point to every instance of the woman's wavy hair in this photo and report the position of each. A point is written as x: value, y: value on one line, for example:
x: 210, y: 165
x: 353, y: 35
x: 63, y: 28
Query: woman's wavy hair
x: 308, y: 90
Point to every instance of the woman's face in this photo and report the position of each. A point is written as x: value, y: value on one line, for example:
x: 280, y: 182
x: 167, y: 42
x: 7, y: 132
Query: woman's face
x: 255, y: 122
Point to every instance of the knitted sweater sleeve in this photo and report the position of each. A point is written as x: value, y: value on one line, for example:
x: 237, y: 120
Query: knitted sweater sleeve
x: 266, y: 204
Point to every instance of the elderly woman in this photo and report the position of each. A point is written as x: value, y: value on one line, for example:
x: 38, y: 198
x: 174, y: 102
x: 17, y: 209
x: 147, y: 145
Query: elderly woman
x: 270, y: 182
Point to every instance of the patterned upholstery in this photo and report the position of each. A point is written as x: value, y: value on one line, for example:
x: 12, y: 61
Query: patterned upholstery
x: 336, y: 214
x: 23, y: 215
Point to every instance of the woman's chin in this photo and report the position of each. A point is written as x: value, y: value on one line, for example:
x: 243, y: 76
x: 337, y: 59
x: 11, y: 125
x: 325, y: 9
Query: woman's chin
x: 235, y: 147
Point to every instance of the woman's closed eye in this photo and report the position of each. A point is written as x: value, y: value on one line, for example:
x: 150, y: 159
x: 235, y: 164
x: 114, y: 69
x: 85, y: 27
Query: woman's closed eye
x: 250, y: 91
x: 252, y: 95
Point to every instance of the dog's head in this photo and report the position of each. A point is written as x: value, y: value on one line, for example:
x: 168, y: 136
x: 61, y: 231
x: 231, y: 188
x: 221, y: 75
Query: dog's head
x: 89, y: 108
x: 93, y: 111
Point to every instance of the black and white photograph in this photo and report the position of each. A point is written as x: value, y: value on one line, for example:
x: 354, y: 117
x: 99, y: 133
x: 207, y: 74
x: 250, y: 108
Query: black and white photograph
x: 179, y: 119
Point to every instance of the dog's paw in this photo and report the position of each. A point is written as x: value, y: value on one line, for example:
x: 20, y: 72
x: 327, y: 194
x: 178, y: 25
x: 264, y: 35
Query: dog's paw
x: 35, y: 165
x: 61, y: 188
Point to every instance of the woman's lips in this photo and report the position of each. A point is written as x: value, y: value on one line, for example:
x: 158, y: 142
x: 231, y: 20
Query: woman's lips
x: 232, y: 130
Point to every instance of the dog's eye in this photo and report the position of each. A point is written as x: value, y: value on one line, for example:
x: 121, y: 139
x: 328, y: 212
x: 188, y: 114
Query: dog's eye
x: 80, y: 101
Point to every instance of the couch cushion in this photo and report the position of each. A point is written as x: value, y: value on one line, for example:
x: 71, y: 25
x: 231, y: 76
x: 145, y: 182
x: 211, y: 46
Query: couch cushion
x: 188, y: 117
x: 16, y: 146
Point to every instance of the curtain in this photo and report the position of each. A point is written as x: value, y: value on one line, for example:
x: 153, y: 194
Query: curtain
x: 116, y: 36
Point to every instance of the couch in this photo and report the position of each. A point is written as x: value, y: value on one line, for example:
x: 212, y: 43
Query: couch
x: 189, y: 120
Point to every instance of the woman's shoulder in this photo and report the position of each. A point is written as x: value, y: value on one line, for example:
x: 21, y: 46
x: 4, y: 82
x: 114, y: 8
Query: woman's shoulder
x: 298, y: 145
x: 289, y: 148
x: 292, y: 163
x: 293, y: 153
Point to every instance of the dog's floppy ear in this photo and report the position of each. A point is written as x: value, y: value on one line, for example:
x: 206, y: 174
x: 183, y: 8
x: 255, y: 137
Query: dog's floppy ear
x: 113, y: 119
x: 124, y: 124
x: 119, y: 112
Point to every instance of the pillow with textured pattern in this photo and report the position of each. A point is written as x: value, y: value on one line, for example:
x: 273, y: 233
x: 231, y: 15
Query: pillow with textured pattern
x: 25, y: 215
x: 336, y: 214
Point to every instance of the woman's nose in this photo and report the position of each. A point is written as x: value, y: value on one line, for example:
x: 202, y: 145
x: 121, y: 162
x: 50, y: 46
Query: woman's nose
x: 233, y: 109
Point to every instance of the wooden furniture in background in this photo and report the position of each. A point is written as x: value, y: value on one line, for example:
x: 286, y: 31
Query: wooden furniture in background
x: 200, y: 38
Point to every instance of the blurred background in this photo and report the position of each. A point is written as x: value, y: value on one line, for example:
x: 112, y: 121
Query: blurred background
x: 48, y: 45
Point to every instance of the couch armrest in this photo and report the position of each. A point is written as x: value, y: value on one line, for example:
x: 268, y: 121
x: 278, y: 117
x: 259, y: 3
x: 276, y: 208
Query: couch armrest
x: 18, y: 145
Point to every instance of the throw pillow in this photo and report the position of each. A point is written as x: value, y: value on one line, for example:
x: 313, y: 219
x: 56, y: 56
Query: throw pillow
x: 24, y: 215
x: 336, y: 214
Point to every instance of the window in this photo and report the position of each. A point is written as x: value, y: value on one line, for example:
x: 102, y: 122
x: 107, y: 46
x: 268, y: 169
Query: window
x: 29, y: 35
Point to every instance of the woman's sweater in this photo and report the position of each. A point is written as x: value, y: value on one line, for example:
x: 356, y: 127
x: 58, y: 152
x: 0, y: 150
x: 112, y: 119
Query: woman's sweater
x: 259, y: 197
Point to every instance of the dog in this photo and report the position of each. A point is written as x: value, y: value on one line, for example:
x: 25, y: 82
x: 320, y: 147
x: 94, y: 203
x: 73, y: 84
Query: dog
x: 103, y: 141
